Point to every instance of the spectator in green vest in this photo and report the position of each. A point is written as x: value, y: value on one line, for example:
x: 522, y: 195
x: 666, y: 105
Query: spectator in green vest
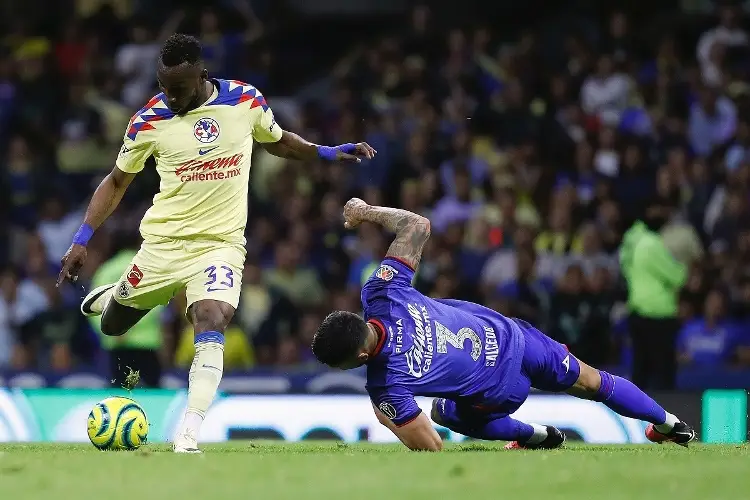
x: 654, y: 279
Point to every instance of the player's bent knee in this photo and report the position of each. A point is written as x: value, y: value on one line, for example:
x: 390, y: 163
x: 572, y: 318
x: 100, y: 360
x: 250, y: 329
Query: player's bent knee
x: 435, y: 412
x: 588, y: 383
x: 440, y: 417
x: 211, y: 315
x: 117, y: 319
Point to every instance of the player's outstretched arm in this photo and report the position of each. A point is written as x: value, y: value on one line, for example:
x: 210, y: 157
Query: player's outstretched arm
x: 294, y: 147
x: 107, y: 196
x: 412, y: 230
x: 417, y: 435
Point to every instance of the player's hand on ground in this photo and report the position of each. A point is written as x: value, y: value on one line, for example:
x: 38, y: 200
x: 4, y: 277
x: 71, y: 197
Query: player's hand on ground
x: 71, y: 263
x: 361, y: 150
x: 353, y: 211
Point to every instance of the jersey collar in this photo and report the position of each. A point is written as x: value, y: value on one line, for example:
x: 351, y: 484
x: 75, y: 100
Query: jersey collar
x: 217, y: 88
x: 381, y: 338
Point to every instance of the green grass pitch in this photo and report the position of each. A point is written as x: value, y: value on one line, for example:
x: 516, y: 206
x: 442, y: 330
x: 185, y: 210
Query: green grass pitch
x: 329, y: 471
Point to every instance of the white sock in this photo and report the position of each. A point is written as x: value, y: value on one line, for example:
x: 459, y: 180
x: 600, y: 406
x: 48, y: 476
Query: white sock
x: 205, y: 376
x: 192, y: 421
x: 540, y: 434
x: 668, y: 425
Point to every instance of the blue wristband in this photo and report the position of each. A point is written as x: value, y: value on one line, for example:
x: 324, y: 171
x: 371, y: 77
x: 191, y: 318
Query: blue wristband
x: 84, y: 234
x: 329, y: 152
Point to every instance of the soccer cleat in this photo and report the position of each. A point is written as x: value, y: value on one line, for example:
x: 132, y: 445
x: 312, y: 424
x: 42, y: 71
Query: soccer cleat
x: 186, y: 442
x: 93, y: 304
x: 555, y: 439
x: 177, y: 449
x: 680, y: 434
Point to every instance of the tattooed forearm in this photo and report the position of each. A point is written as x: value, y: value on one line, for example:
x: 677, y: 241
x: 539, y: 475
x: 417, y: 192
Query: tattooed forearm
x: 412, y: 231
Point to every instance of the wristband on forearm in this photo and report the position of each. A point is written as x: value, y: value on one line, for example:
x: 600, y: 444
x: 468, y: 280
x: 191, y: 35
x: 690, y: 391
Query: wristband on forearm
x: 83, y: 235
x: 329, y: 152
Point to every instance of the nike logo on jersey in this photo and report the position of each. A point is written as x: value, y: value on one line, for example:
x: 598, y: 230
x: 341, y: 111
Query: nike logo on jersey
x: 206, y: 151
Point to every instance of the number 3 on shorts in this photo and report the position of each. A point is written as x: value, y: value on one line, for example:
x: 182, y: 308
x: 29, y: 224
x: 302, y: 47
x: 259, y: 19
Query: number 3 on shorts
x: 226, y: 282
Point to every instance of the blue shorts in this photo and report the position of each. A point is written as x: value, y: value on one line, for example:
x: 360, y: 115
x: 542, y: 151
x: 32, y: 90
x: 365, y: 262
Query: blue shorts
x: 547, y: 365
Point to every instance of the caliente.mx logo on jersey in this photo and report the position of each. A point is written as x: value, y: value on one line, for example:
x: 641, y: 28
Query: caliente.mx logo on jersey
x: 206, y: 130
x: 419, y: 355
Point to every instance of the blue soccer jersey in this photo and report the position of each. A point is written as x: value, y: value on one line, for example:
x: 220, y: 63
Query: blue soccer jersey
x: 435, y: 347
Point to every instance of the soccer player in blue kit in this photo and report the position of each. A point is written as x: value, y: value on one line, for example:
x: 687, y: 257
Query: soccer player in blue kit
x: 479, y: 364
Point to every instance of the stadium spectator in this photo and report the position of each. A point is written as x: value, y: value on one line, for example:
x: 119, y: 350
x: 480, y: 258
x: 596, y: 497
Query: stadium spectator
x: 712, y: 123
x: 255, y: 301
x: 713, y: 339
x: 654, y: 279
x: 55, y: 224
x: 588, y: 252
x: 529, y: 293
x: 134, y: 62
x: 714, y: 45
x: 82, y: 146
x: 605, y: 94
x: 23, y: 179
x: 295, y: 280
x: 8, y: 334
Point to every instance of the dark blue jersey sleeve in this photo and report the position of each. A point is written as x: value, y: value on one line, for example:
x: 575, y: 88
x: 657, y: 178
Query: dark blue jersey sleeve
x: 392, y: 272
x: 392, y: 275
x: 396, y: 402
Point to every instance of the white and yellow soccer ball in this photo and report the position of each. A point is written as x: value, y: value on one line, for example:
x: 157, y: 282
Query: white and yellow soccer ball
x: 117, y: 423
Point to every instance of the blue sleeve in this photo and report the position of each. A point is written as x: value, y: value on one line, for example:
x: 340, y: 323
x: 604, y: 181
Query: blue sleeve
x: 391, y: 273
x: 395, y: 402
x: 378, y: 291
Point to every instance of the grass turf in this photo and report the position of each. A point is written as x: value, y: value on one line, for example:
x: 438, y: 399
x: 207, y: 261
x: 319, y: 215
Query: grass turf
x: 327, y: 470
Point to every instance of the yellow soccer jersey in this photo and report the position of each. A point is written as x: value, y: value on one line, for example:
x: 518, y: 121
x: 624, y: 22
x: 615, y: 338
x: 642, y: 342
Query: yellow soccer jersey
x: 203, y: 160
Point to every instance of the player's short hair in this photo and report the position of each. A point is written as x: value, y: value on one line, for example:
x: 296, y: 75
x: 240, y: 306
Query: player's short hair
x: 339, y: 337
x: 180, y: 48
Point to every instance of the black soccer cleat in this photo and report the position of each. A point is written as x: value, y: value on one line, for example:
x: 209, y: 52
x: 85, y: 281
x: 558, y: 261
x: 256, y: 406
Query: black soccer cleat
x: 680, y: 434
x: 555, y: 439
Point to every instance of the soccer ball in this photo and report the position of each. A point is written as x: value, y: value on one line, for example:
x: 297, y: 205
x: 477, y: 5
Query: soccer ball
x: 117, y: 423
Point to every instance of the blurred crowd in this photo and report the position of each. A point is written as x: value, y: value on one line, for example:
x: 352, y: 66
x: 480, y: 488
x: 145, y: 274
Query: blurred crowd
x: 532, y: 156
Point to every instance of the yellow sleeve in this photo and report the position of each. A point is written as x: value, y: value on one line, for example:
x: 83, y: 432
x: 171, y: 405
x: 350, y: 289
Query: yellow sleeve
x: 266, y: 129
x: 137, y: 145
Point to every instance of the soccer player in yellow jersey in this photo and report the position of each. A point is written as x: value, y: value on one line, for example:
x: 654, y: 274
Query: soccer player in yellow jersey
x: 200, y: 132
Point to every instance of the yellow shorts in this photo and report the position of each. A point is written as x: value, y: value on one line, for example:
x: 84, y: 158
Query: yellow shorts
x: 161, y: 268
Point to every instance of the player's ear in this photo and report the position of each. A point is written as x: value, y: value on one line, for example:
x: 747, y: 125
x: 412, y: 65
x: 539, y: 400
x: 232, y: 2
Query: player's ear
x: 204, y: 74
x: 363, y: 358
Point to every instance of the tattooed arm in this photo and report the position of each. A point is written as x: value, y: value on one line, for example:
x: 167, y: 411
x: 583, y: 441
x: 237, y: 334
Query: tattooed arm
x: 412, y: 230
